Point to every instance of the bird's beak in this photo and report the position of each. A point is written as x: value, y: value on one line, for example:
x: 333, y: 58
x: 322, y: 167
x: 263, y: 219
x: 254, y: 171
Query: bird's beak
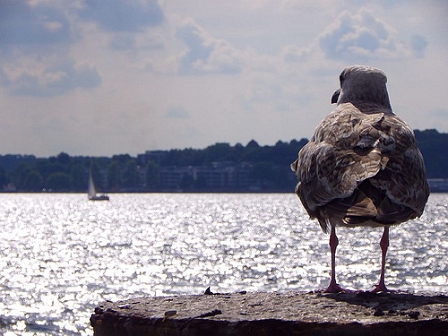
x: 335, y: 97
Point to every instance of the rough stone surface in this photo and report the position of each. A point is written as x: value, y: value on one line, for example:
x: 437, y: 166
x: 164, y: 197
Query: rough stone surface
x: 292, y: 313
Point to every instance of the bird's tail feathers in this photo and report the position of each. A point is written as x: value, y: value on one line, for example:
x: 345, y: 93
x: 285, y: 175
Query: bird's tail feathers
x: 389, y: 212
x: 325, y: 223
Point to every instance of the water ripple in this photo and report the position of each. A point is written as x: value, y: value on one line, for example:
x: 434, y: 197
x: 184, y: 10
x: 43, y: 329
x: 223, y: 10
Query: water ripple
x: 60, y: 254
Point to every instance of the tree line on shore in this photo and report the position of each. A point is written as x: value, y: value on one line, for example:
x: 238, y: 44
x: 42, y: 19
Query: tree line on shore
x: 266, y: 167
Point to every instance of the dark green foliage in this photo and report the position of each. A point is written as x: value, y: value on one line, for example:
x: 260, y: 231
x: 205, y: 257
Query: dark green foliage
x: 152, y: 176
x: 58, y: 181
x: 76, y: 176
x: 434, y: 147
x: 32, y: 181
x: 131, y: 177
x: 113, y: 176
x: 3, y: 180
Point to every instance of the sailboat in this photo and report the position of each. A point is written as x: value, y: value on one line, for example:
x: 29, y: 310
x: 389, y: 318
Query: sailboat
x: 92, y: 191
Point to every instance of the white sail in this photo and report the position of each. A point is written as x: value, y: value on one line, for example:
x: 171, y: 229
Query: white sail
x: 91, y: 193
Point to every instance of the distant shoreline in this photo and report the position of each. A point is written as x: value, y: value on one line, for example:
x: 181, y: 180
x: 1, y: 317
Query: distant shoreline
x: 437, y: 191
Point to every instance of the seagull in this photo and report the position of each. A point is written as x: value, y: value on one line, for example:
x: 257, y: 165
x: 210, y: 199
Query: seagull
x: 362, y: 167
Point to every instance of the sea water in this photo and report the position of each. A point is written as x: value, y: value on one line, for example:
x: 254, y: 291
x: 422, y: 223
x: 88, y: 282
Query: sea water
x: 61, y: 255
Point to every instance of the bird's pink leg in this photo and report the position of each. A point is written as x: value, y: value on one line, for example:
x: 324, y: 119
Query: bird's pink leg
x: 334, y: 241
x: 384, y: 243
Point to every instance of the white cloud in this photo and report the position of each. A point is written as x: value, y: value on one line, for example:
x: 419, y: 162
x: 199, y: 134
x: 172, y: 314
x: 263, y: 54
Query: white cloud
x: 293, y: 53
x: 418, y: 45
x: 51, y: 80
x: 361, y: 36
x: 177, y: 113
x: 122, y: 42
x: 119, y: 15
x: 206, y: 54
x: 36, y: 38
x: 23, y: 24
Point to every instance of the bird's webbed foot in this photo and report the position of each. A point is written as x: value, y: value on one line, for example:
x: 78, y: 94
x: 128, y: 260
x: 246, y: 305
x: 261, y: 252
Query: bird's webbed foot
x: 335, y: 288
x: 380, y: 288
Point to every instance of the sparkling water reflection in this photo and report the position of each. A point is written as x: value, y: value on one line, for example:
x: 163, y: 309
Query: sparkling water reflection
x: 60, y: 254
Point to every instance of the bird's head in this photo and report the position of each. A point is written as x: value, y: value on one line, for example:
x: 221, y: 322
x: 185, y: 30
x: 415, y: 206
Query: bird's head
x: 362, y: 84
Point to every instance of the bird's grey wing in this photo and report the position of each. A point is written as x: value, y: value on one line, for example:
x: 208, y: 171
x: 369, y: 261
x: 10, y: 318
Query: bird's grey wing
x: 341, y: 154
x: 404, y: 177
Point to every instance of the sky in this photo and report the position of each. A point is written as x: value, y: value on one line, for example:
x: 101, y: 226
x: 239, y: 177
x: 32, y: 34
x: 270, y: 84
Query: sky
x: 86, y: 78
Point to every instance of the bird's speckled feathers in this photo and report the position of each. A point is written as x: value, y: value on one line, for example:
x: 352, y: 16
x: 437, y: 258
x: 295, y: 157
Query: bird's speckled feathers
x: 362, y: 166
